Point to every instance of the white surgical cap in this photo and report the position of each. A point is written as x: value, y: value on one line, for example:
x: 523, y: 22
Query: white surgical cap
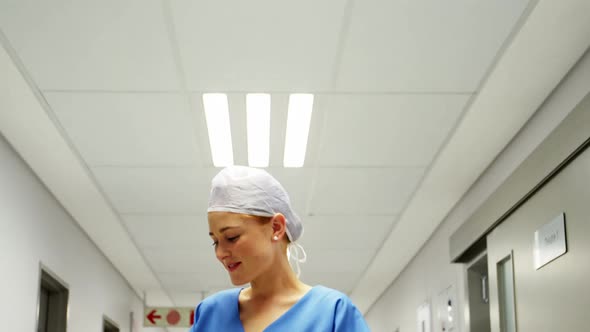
x: 253, y: 191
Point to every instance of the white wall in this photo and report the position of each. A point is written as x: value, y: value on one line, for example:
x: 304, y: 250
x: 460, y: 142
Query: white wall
x: 34, y: 229
x: 430, y: 271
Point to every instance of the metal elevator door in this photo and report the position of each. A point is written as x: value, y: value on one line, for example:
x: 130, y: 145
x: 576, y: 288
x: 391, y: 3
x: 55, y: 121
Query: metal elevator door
x: 556, y: 296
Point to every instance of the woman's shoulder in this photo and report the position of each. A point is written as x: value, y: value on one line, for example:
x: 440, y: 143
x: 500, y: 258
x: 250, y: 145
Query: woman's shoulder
x: 223, y: 297
x: 331, y: 295
x: 218, y: 312
x: 327, y: 291
x: 330, y: 310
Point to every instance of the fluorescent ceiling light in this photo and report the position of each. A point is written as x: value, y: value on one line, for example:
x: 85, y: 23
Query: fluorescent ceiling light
x: 258, y: 120
x: 298, y: 120
x: 217, y: 115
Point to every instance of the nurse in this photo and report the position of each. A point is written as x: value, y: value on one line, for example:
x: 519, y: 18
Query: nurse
x: 254, y: 233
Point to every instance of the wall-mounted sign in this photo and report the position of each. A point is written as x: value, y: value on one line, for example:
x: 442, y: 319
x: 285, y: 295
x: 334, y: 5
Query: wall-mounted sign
x: 171, y: 316
x: 550, y: 241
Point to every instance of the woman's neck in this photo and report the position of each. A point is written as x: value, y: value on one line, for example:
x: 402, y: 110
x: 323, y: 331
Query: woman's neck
x: 278, y: 281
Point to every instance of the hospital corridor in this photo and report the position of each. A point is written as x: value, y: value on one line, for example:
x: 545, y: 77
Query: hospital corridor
x: 294, y: 166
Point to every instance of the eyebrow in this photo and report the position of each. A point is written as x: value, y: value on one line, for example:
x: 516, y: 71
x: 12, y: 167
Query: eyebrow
x: 223, y: 229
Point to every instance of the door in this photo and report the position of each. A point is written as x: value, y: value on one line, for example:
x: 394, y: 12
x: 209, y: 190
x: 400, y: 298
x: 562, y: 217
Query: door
x: 555, y: 297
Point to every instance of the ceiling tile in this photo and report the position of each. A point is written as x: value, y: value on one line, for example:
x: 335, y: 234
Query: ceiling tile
x: 151, y: 232
x: 339, y: 269
x: 156, y: 297
x: 340, y: 260
x: 203, y: 281
x: 387, y: 130
x: 343, y: 282
x: 363, y: 191
x: 136, y: 129
x: 186, y: 299
x: 89, y: 45
x: 187, y: 269
x: 185, y: 260
x: 424, y: 45
x: 260, y: 46
x: 346, y: 232
x: 157, y: 190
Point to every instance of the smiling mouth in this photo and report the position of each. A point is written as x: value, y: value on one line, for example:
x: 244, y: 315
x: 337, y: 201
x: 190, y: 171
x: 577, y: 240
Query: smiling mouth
x: 233, y: 266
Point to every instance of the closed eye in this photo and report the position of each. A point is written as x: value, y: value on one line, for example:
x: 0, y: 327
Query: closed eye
x: 230, y: 239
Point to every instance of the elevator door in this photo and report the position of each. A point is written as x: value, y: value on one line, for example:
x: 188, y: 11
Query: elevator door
x: 555, y: 297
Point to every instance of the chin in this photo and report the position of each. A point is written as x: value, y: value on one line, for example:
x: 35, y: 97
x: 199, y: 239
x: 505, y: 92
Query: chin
x: 239, y: 281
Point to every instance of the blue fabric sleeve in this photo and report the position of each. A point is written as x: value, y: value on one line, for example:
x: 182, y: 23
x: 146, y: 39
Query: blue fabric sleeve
x: 348, y: 318
x: 197, y: 313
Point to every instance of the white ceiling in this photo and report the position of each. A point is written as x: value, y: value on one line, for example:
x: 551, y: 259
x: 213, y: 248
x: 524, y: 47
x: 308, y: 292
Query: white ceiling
x: 395, y: 81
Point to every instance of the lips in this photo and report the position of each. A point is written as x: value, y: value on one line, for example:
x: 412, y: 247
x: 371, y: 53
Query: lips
x: 231, y: 267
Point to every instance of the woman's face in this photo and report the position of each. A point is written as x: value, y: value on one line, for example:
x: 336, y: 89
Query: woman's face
x: 243, y: 244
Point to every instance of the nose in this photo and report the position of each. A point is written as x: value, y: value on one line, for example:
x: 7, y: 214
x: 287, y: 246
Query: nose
x: 221, y: 252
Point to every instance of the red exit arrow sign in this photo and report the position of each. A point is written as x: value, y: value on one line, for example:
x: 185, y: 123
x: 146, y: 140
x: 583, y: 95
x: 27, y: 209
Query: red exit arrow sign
x: 152, y: 317
x: 168, y: 316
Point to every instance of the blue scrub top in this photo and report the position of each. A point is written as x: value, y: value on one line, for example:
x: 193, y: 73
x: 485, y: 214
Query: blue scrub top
x: 320, y: 310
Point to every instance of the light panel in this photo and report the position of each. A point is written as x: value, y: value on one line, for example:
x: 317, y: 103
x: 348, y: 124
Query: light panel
x: 217, y: 115
x: 258, y: 124
x: 298, y: 121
